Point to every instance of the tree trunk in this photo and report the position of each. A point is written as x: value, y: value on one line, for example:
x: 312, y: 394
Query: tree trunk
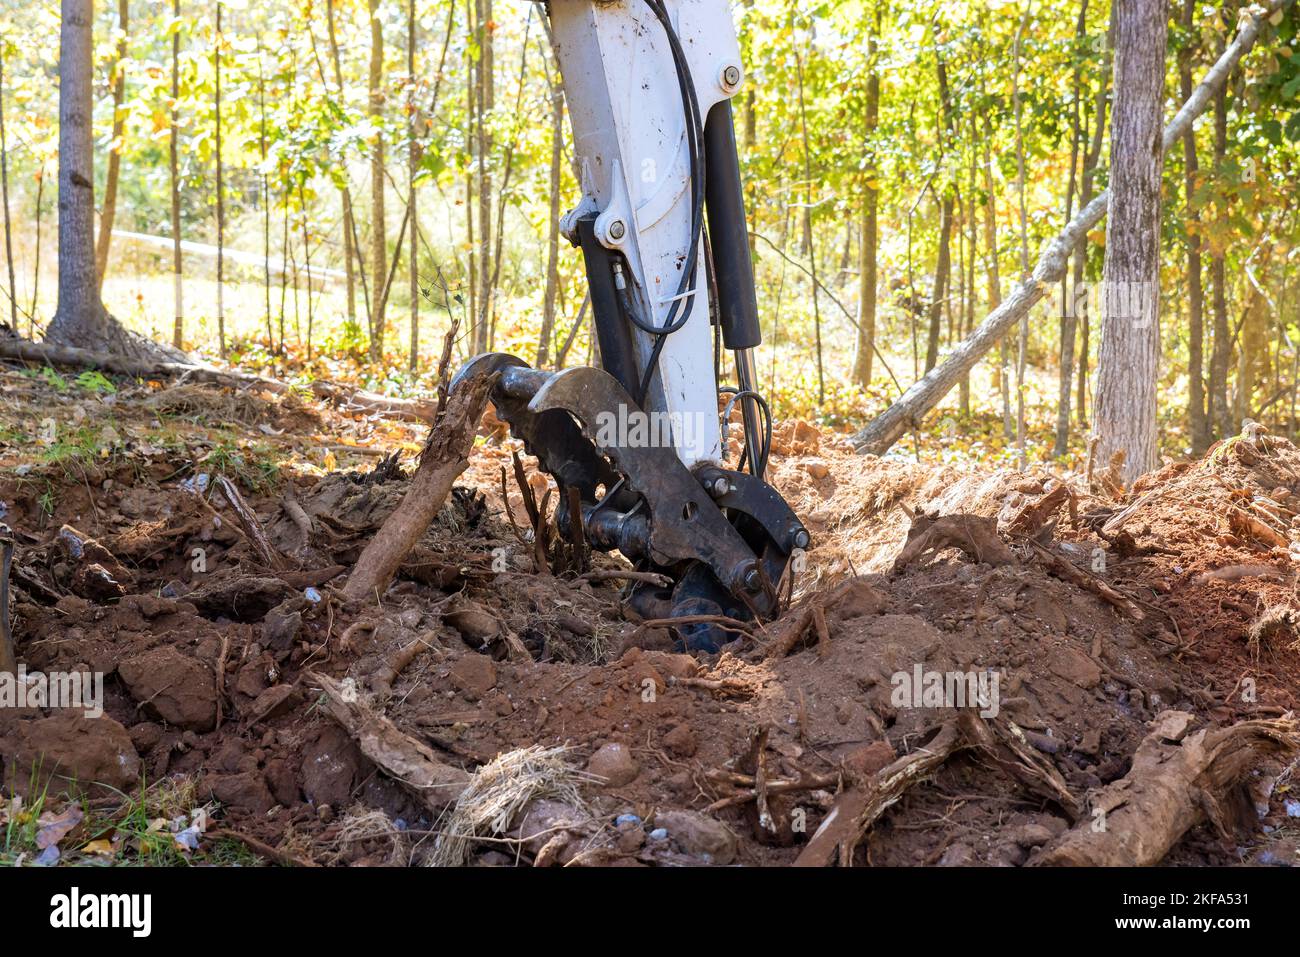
x: 939, y: 291
x: 1221, y: 352
x: 81, y: 319
x: 1022, y: 344
x: 345, y: 193
x: 1069, y: 317
x: 811, y: 249
x: 1129, y: 355
x: 922, y: 396
x: 1091, y: 159
x: 1000, y: 379
x: 485, y: 102
x: 266, y: 196
x: 221, y: 201
x: 413, y: 166
x: 378, y: 245
x: 4, y: 197
x: 109, y: 212
x: 868, y: 238
x: 173, y: 155
x: 553, y: 227
x: 1198, y: 423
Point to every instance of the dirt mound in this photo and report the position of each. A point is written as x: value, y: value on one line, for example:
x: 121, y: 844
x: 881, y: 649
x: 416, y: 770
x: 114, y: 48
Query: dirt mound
x: 1044, y: 663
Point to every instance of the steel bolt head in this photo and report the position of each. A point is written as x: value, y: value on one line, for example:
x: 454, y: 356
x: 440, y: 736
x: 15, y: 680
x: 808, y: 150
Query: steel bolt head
x: 731, y: 76
x: 753, y: 579
x: 617, y: 230
x: 801, y: 538
x: 720, y: 487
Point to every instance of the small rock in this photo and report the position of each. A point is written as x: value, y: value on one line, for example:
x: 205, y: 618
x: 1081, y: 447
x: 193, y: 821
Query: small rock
x: 613, y: 762
x: 958, y: 855
x: 281, y: 626
x: 699, y: 835
x: 1030, y: 835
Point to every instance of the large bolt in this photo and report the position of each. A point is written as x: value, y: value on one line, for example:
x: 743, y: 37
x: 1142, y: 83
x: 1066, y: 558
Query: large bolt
x: 731, y: 77
x: 801, y: 538
x: 617, y: 230
x: 753, y: 579
x: 719, y: 487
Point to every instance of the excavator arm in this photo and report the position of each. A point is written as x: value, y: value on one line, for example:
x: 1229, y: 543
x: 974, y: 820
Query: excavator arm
x: 661, y: 228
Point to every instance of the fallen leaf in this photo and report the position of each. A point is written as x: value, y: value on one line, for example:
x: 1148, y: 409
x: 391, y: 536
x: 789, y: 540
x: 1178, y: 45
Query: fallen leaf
x: 55, y: 827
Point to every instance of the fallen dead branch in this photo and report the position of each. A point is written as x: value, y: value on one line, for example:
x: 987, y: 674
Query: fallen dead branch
x: 346, y: 398
x: 435, y: 784
x: 1177, y: 782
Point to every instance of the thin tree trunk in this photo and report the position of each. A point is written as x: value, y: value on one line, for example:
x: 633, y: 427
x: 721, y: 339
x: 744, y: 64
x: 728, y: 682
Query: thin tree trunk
x: 345, y: 192
x: 36, y: 265
x: 922, y: 396
x: 1198, y: 423
x: 1221, y: 352
x: 472, y: 67
x: 1000, y: 371
x: 109, y: 212
x: 178, y: 292
x: 1023, y: 342
x: 939, y: 291
x: 221, y: 201
x: 1091, y: 159
x: 808, y: 239
x: 378, y: 245
x: 1129, y: 356
x: 553, y: 227
x: 266, y: 196
x: 413, y: 167
x: 306, y: 256
x: 485, y: 102
x: 1069, y: 317
x: 864, y: 351
x: 4, y: 197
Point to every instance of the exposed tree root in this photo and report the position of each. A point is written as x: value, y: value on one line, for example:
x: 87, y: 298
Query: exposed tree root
x: 435, y: 784
x: 1177, y: 782
x: 976, y: 535
x: 444, y: 457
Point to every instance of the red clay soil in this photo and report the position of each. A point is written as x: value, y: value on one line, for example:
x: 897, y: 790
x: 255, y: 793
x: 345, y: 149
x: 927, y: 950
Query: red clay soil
x: 208, y: 671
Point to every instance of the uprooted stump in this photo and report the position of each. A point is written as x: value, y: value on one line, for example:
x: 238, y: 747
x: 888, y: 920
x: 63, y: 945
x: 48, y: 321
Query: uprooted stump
x: 444, y: 458
x: 975, y: 535
x: 1177, y: 782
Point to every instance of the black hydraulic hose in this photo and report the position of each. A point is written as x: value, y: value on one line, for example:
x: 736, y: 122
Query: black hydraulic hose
x: 683, y: 303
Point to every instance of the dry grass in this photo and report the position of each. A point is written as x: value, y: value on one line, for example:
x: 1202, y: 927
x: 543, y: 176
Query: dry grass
x: 497, y: 794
